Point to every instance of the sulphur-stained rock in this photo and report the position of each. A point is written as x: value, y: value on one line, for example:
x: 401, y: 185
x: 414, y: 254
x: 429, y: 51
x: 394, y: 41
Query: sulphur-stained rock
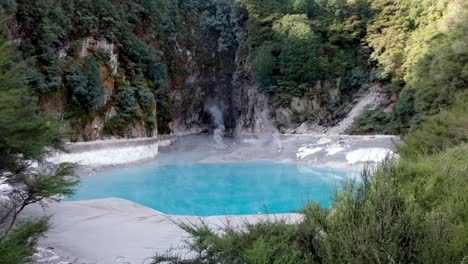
x: 309, y: 128
x: 111, y: 113
x: 138, y: 131
x: 91, y: 45
x: 108, y: 84
x: 333, y: 89
x: 94, y: 129
x: 301, y: 104
x: 284, y: 117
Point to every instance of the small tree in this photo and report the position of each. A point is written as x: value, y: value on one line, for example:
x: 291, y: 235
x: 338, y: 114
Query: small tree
x: 24, y: 138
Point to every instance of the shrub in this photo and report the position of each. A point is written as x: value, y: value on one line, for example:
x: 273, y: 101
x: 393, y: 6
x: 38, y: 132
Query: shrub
x: 125, y: 101
x: 354, y: 79
x: 117, y: 125
x: 19, y: 246
x: 444, y: 130
x: 372, y: 121
x: 438, y: 185
x: 157, y: 72
x: 86, y: 85
x: 26, y: 138
x: 146, y: 98
x: 264, y: 63
x: 164, y: 112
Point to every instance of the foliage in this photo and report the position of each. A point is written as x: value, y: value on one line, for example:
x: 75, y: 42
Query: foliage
x: 22, y: 131
x: 126, y: 102
x: 444, y: 130
x: 265, y: 64
x: 437, y: 184
x: 87, y: 84
x: 419, y: 47
x: 164, y: 112
x: 146, y: 98
x: 298, y: 44
x: 220, y: 20
x: 441, y: 74
x: 117, y: 125
x: 126, y: 105
x: 269, y: 242
x: 18, y: 247
x: 372, y: 121
x: 26, y: 137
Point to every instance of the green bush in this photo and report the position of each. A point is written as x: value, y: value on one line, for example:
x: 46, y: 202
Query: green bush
x: 87, y: 85
x: 117, y: 125
x: 444, y: 130
x: 164, y: 112
x: 125, y: 101
x: 146, y: 98
x: 264, y: 63
x: 373, y: 121
x: 26, y: 138
x: 19, y: 246
x: 438, y: 185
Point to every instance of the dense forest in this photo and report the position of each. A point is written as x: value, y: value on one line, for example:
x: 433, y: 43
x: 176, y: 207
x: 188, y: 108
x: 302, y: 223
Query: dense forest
x: 85, y: 70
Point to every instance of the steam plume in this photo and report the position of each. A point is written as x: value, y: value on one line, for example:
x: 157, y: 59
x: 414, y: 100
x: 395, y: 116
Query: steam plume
x: 214, y: 109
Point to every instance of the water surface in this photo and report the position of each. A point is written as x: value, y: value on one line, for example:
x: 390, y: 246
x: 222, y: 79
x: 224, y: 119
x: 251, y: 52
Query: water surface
x: 215, y: 189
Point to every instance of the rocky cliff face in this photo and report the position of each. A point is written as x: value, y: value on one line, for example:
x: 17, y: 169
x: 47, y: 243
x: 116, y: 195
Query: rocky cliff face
x: 92, y: 125
x: 205, y: 86
x: 229, y: 84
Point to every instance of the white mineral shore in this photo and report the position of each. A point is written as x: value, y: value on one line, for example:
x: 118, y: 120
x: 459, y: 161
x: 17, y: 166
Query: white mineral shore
x: 110, y: 152
x: 369, y: 154
x: 110, y: 231
x: 103, y: 157
x: 305, y: 151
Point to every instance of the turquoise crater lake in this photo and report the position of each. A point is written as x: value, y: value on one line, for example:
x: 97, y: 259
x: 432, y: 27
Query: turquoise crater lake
x: 215, y: 189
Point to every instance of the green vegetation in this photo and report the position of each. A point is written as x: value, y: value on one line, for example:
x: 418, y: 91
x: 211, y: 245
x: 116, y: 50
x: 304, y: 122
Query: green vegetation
x: 87, y: 88
x: 58, y: 42
x: 298, y: 45
x: 422, y: 54
x: 24, y: 136
x: 18, y: 247
x: 23, y: 133
x: 372, y: 121
x: 442, y: 131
